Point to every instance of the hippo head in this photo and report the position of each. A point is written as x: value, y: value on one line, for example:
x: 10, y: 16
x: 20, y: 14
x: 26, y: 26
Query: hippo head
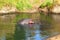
x: 26, y: 21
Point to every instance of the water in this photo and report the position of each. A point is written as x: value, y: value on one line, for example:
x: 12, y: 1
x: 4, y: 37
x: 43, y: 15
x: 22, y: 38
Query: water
x: 3, y: 37
x: 34, y: 31
x: 31, y: 33
x: 44, y: 27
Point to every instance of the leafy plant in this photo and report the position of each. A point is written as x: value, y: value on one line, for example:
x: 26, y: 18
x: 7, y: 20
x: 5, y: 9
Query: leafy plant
x: 23, y: 4
x: 46, y: 3
x: 20, y: 4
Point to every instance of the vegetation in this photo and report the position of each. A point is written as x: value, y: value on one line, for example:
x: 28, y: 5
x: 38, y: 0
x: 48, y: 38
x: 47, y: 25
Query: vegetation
x: 8, y: 24
x: 25, y: 4
x: 46, y: 3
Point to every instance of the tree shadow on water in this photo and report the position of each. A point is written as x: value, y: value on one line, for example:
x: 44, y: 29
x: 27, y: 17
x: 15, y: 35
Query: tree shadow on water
x: 19, y: 32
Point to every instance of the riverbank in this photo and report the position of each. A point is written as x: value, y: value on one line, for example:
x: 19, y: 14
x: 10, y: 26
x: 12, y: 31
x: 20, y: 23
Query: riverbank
x: 55, y: 37
x: 54, y: 10
x: 14, y: 10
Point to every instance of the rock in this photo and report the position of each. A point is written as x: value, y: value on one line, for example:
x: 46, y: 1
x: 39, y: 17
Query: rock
x: 7, y: 9
x: 56, y: 9
x: 30, y: 11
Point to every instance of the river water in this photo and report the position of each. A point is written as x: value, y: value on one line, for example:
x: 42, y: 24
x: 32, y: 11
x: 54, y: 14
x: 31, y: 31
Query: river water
x: 44, y: 27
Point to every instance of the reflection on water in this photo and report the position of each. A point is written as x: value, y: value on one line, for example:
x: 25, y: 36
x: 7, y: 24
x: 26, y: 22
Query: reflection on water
x: 3, y: 37
x: 31, y: 33
x: 41, y: 30
x: 37, y: 31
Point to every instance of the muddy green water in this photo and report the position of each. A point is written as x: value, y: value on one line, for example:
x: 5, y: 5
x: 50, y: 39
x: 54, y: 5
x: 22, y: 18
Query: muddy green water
x: 10, y: 30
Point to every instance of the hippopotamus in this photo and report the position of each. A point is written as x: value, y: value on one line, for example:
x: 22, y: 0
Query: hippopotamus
x: 21, y: 27
x: 27, y: 21
x: 25, y: 29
